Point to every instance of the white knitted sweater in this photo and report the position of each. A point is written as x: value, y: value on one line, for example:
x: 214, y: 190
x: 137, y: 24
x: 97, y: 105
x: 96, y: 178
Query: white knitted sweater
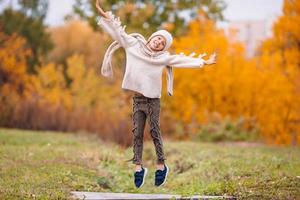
x: 144, y: 67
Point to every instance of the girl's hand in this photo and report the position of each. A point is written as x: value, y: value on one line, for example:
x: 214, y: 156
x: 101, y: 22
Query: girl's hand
x: 100, y: 10
x: 212, y: 59
x: 202, y: 55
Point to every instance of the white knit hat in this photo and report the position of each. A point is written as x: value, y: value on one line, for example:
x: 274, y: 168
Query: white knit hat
x: 166, y: 35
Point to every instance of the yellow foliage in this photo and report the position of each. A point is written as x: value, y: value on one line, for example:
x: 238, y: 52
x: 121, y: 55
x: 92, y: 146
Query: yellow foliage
x: 77, y: 37
x: 50, y: 86
x: 14, y: 80
x: 280, y: 57
x: 264, y: 89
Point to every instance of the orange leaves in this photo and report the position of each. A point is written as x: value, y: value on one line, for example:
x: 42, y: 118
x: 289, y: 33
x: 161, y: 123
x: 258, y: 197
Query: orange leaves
x: 264, y: 89
x: 76, y: 37
x: 168, y: 26
x: 14, y: 78
x: 15, y: 83
x: 129, y: 8
x: 280, y: 57
x: 51, y: 87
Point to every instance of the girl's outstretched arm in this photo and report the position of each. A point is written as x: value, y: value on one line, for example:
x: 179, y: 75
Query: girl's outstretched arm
x: 112, y: 25
x: 100, y: 10
x: 183, y: 61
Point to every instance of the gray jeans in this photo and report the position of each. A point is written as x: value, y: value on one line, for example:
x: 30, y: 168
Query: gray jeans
x: 143, y: 108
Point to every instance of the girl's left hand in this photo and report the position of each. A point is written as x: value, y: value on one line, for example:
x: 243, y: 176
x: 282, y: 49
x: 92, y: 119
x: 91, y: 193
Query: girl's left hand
x: 212, y: 59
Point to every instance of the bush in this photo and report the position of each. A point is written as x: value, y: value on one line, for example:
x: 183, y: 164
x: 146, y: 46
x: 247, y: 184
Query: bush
x: 227, y: 130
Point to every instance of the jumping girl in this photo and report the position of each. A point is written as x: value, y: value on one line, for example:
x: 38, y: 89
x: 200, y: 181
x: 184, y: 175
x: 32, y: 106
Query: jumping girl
x: 145, y: 61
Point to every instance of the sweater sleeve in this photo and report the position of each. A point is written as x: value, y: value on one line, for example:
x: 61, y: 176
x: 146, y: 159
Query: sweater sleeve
x: 183, y: 61
x: 113, y: 27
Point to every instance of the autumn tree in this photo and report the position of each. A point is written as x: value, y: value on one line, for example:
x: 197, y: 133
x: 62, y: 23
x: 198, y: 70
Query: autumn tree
x: 279, y: 57
x: 263, y: 91
x: 67, y: 42
x: 146, y: 16
x: 217, y: 88
x: 14, y: 80
x: 27, y: 20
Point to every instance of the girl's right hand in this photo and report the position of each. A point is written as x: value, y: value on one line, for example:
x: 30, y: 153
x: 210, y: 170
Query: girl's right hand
x: 99, y: 9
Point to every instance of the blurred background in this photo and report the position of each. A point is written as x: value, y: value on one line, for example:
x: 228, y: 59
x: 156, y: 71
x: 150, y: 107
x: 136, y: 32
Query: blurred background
x: 51, y: 54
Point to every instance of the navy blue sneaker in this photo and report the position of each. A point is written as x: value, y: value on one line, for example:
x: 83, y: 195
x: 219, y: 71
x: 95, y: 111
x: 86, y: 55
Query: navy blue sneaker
x: 139, y: 177
x: 161, y: 176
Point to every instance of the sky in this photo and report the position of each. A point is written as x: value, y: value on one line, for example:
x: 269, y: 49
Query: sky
x: 252, y: 9
x: 57, y: 10
x: 236, y: 10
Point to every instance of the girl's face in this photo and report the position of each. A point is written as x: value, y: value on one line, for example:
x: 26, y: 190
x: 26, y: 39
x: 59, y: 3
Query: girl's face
x: 157, y: 43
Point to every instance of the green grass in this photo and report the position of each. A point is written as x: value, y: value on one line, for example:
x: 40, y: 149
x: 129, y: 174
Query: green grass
x: 48, y: 165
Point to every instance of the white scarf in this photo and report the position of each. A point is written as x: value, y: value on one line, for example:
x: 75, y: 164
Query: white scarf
x: 107, y: 71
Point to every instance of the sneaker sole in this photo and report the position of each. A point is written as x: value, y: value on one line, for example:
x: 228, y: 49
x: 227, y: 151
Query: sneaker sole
x: 146, y: 170
x: 165, y: 177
